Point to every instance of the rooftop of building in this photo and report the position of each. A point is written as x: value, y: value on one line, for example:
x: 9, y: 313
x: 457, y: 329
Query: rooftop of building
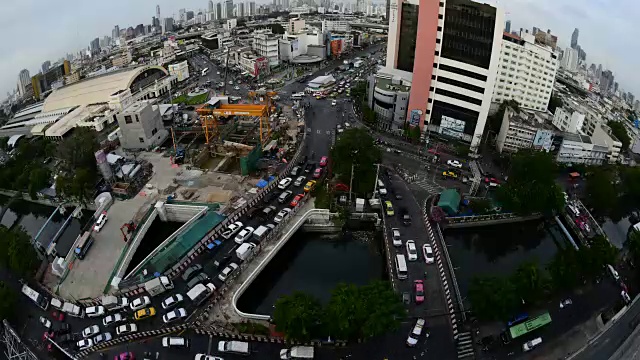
x: 576, y: 137
x: 534, y: 119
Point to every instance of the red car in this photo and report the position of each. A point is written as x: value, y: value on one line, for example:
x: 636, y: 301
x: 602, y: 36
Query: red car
x: 317, y: 173
x: 419, y: 287
x: 296, y: 200
x: 58, y: 315
x: 323, y: 161
x: 125, y: 356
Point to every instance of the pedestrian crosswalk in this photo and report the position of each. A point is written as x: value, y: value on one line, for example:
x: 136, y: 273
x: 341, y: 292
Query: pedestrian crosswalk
x: 464, y: 345
x: 426, y: 183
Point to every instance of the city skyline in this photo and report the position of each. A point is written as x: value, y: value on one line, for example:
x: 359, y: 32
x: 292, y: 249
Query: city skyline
x: 50, y: 41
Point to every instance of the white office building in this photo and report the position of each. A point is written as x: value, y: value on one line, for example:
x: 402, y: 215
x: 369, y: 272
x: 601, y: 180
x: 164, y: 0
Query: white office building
x: 579, y: 149
x: 570, y: 59
x: 335, y: 26
x: 568, y: 119
x: 523, y: 130
x: 388, y: 95
x: 526, y: 72
x: 180, y: 70
x: 265, y: 43
x: 604, y: 137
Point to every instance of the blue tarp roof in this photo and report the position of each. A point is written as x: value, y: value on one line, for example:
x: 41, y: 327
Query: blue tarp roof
x: 262, y: 183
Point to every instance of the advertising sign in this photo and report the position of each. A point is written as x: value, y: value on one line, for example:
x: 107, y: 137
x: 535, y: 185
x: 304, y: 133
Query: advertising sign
x: 543, y: 140
x: 416, y: 114
x: 452, y: 127
x: 336, y: 47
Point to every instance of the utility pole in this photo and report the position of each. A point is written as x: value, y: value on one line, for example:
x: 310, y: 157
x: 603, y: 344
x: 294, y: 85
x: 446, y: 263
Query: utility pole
x: 375, y: 184
x: 351, y: 182
x: 226, y: 71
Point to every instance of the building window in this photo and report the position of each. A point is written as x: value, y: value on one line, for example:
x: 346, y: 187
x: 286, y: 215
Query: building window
x: 463, y: 72
x: 137, y: 119
x: 429, y: 100
x: 408, y: 34
x: 437, y: 53
x: 437, y: 40
x: 127, y: 119
x: 430, y: 88
x: 435, y: 65
x: 141, y: 140
x: 440, y: 16
x: 441, y: 4
x: 154, y: 131
x: 433, y: 77
x: 439, y: 28
x: 455, y: 95
x: 461, y: 84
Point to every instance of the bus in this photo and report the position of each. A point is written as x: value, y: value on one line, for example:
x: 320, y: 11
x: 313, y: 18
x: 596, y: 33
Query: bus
x: 401, y: 266
x: 529, y: 325
x: 41, y: 301
x: 205, y: 71
x: 84, y: 244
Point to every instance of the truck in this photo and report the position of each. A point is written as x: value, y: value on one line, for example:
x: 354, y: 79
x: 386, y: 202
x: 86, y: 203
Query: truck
x: 245, y: 250
x: 72, y: 309
x: 374, y: 203
x: 158, y: 285
x: 234, y: 347
x: 359, y: 205
x: 297, y: 352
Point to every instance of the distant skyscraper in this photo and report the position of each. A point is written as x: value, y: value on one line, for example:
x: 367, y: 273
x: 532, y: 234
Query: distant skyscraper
x: 229, y: 4
x: 115, y: 33
x: 182, y: 16
x: 218, y: 12
x: 599, y: 71
x: 615, y: 86
x: 158, y: 11
x: 252, y: 8
x: 210, y: 6
x: 94, y: 46
x: 570, y: 59
x: 168, y: 25
x: 507, y: 26
x: 45, y: 66
x: 190, y: 15
x: 574, y: 38
x: 606, y: 81
x: 23, y: 80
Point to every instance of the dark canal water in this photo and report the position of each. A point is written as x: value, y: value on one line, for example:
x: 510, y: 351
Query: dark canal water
x: 32, y: 217
x: 499, y: 250
x: 315, y: 263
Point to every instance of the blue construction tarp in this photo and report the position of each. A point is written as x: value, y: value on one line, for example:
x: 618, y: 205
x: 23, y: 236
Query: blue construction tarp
x: 262, y: 183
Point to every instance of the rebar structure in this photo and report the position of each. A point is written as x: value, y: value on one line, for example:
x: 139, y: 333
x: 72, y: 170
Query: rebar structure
x: 14, y: 347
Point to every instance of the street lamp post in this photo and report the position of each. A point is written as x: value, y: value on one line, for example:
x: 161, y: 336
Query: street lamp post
x: 354, y: 153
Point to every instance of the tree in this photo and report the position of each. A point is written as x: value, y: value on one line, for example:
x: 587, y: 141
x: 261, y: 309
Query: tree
x: 383, y: 307
x: 601, y: 190
x: 618, y: 130
x: 480, y: 206
x: 368, y: 115
x: 355, y: 147
x: 78, y: 168
x: 38, y: 179
x: 8, y: 301
x: 554, y: 103
x: 16, y: 251
x: 593, y: 258
x: 531, y: 186
x: 344, y: 313
x: 492, y: 298
x: 564, y: 269
x: 530, y: 283
x: 298, y: 316
x: 633, y: 243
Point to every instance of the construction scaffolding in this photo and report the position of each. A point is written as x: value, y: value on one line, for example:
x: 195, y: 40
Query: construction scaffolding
x: 15, y: 348
x: 212, y: 114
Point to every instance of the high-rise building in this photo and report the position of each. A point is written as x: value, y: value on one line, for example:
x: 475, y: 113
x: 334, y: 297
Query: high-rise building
x: 218, y: 12
x: 526, y: 72
x: 94, y: 46
x: 158, y: 11
x: 574, y: 38
x: 452, y: 48
x: 252, y: 8
x: 224, y: 14
x: 190, y: 15
x: 606, y: 81
x: 570, y: 59
x: 507, y: 26
x: 168, y: 25
x: 182, y: 16
x: 599, y: 71
x: 630, y: 98
x: 229, y: 5
x: 285, y: 4
x: 387, y: 7
x: 155, y: 22
x: 115, y: 33
x: 45, y: 66
x: 210, y: 6
x: 23, y: 80
x: 615, y: 87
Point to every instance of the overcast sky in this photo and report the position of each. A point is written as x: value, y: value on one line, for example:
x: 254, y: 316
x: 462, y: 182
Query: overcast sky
x: 39, y: 30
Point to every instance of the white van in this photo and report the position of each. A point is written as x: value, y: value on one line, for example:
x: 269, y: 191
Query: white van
x: 199, y: 293
x: 260, y: 233
x: 245, y: 250
x: 401, y: 266
x: 234, y: 347
x: 529, y: 345
x: 613, y: 272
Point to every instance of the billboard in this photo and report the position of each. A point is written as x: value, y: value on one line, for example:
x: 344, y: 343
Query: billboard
x: 294, y: 45
x: 260, y: 65
x: 452, y: 127
x: 543, y: 140
x: 416, y: 114
x: 336, y: 47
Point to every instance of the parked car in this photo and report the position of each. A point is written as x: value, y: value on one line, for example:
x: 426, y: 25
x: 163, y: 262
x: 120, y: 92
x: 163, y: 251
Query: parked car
x: 126, y: 329
x: 84, y: 344
x: 450, y: 174
x: 112, y: 319
x: 191, y: 272
x: 284, y: 183
x: 284, y: 196
x: 244, y: 235
x: 172, y: 301
x: 296, y: 170
x: 299, y: 181
x: 102, y: 219
x: 454, y: 163
x: 282, y: 215
x: 412, y: 253
x: 102, y: 337
x: 309, y: 185
x: 227, y: 271
x: 427, y: 251
x: 232, y: 229
x: 310, y: 166
x: 174, y: 315
x: 90, y: 331
x: 45, y: 322
x: 296, y: 200
x: 529, y: 345
x: 418, y: 286
x: 198, y: 279
x: 140, y: 303
x: 144, y: 313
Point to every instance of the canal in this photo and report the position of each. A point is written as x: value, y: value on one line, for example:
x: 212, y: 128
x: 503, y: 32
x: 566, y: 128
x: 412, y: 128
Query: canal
x: 315, y: 263
x: 158, y: 232
x: 499, y: 250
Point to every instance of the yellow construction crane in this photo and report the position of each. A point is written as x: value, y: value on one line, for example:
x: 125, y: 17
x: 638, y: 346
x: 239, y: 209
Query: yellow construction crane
x: 209, y: 117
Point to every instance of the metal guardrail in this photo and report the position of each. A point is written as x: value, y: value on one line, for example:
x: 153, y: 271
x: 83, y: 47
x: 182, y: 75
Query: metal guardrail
x: 476, y: 218
x: 452, y: 272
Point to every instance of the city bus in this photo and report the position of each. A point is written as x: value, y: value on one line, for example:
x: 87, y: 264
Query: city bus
x: 529, y: 325
x: 35, y: 296
x: 205, y: 71
x: 84, y: 244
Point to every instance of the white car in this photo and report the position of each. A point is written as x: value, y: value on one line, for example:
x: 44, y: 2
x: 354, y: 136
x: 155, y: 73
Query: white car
x: 427, y: 251
x: 284, y: 183
x: 207, y: 357
x: 90, y: 331
x: 126, y: 329
x: 232, y: 229
x: 412, y: 339
x: 94, y: 311
x: 227, y: 271
x: 395, y: 234
x: 102, y: 337
x: 140, y: 303
x: 174, y: 315
x: 45, y: 322
x: 236, y: 87
x: 112, y: 319
x: 454, y: 163
x: 299, y: 181
x: 625, y: 296
x: 84, y: 344
x: 244, y: 234
x: 412, y: 252
x: 281, y: 215
x: 102, y: 219
x: 334, y: 103
x: 172, y: 301
x: 529, y: 345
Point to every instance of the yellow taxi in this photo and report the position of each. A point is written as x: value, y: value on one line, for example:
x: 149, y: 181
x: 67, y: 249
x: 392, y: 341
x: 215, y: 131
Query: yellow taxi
x: 144, y: 313
x: 450, y: 174
x: 389, y: 207
x: 310, y: 185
